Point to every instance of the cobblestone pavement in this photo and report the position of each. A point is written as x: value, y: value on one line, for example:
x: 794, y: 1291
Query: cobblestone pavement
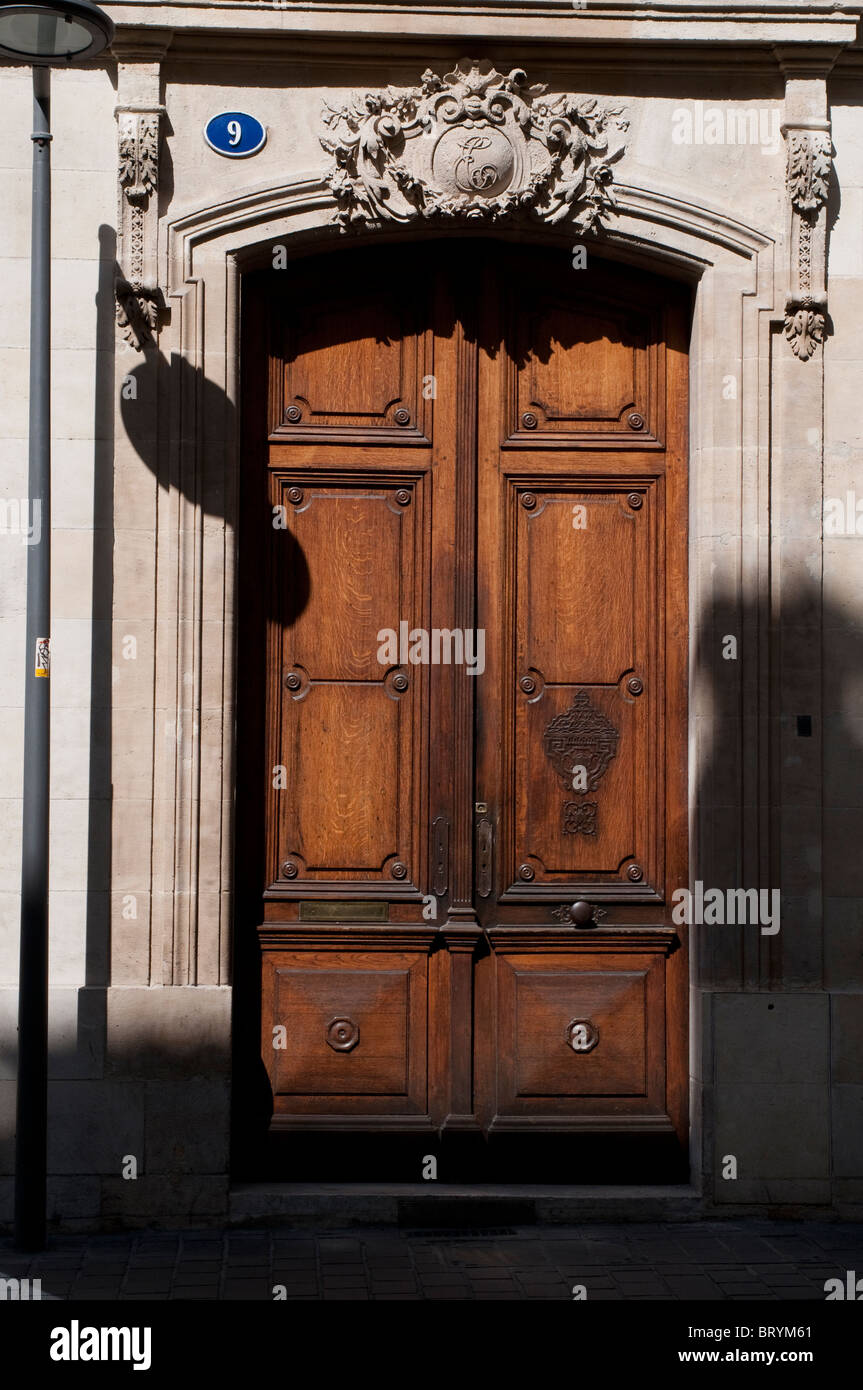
x: 704, y: 1260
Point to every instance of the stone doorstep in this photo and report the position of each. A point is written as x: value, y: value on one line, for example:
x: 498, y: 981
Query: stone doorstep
x: 462, y: 1206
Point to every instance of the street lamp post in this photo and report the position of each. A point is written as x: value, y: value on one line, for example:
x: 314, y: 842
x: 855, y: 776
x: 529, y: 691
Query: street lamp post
x: 46, y: 36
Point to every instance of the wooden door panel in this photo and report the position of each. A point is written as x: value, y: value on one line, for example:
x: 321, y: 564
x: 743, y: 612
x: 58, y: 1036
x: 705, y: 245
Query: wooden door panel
x: 580, y: 1037
x: 351, y: 561
x: 584, y: 368
x: 324, y: 1057
x: 353, y: 357
x: 355, y: 1035
x: 603, y: 1008
x: 581, y: 565
x: 583, y: 796
x: 347, y: 726
x: 342, y: 756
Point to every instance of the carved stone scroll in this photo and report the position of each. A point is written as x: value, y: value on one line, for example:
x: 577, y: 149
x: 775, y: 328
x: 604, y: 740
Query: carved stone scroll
x: 475, y: 144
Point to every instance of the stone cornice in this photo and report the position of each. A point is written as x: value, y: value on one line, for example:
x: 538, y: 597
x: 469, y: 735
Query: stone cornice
x: 732, y: 24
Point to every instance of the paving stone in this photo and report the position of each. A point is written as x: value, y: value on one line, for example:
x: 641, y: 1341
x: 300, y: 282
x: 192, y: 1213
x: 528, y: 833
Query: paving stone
x: 645, y: 1291
x: 538, y: 1285
x: 727, y: 1261
x: 692, y: 1286
x: 786, y: 1277
x: 750, y: 1291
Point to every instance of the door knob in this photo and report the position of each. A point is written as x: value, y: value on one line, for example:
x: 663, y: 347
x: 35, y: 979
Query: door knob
x: 583, y: 914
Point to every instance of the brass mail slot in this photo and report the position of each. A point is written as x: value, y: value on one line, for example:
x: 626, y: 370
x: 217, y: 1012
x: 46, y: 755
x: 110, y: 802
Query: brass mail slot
x: 323, y: 911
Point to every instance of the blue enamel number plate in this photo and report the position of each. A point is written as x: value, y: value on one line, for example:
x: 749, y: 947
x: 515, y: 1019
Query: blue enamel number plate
x: 235, y: 134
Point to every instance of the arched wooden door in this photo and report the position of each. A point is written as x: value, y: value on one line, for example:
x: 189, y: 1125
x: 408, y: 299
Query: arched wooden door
x: 463, y: 767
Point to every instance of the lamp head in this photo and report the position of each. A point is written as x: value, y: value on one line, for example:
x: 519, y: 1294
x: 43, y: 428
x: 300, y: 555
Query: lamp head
x: 55, y: 34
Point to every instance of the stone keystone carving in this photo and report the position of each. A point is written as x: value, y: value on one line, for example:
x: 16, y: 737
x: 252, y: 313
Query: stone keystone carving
x: 474, y: 144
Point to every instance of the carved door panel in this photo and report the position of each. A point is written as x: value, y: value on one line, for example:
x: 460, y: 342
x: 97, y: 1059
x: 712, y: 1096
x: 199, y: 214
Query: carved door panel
x: 581, y: 751
x: 468, y: 564
x: 356, y: 744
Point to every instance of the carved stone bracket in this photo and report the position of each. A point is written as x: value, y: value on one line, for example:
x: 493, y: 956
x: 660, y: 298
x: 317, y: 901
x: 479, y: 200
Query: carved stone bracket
x: 139, y: 300
x: 807, y: 175
x: 474, y: 144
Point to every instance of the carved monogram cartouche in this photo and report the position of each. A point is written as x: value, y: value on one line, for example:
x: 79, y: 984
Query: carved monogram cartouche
x: 473, y: 144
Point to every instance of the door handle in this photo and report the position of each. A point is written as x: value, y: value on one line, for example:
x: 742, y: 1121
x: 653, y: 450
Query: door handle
x: 484, y: 856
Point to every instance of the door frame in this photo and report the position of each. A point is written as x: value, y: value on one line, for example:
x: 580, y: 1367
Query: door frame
x: 456, y: 969
x: 206, y: 252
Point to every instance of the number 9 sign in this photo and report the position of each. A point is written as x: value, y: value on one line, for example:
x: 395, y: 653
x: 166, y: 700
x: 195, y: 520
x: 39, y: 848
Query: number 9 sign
x: 235, y: 134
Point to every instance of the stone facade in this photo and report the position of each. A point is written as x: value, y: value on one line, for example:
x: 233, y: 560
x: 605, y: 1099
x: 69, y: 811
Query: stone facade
x: 742, y: 173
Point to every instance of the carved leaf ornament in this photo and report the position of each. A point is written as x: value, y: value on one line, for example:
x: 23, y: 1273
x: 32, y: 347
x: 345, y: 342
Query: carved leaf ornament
x: 474, y: 144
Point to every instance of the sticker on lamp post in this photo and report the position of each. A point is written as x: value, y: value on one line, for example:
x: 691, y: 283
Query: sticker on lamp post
x: 235, y: 134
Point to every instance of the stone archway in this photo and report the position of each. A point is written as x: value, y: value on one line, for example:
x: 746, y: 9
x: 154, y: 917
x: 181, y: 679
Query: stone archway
x: 206, y: 251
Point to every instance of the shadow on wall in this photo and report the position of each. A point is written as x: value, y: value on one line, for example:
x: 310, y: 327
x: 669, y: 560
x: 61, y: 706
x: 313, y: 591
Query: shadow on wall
x: 777, y: 1061
x: 809, y: 833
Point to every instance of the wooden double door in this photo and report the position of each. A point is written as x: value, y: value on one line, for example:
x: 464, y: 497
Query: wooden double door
x: 463, y: 745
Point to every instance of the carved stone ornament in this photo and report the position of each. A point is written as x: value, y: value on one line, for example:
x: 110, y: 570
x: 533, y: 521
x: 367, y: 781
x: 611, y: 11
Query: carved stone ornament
x: 804, y: 325
x: 807, y: 178
x: 138, y: 150
x: 808, y: 170
x: 137, y: 311
x: 138, y: 302
x: 474, y: 144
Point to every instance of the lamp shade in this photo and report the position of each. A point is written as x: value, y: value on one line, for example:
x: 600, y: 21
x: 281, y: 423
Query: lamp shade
x: 66, y: 31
